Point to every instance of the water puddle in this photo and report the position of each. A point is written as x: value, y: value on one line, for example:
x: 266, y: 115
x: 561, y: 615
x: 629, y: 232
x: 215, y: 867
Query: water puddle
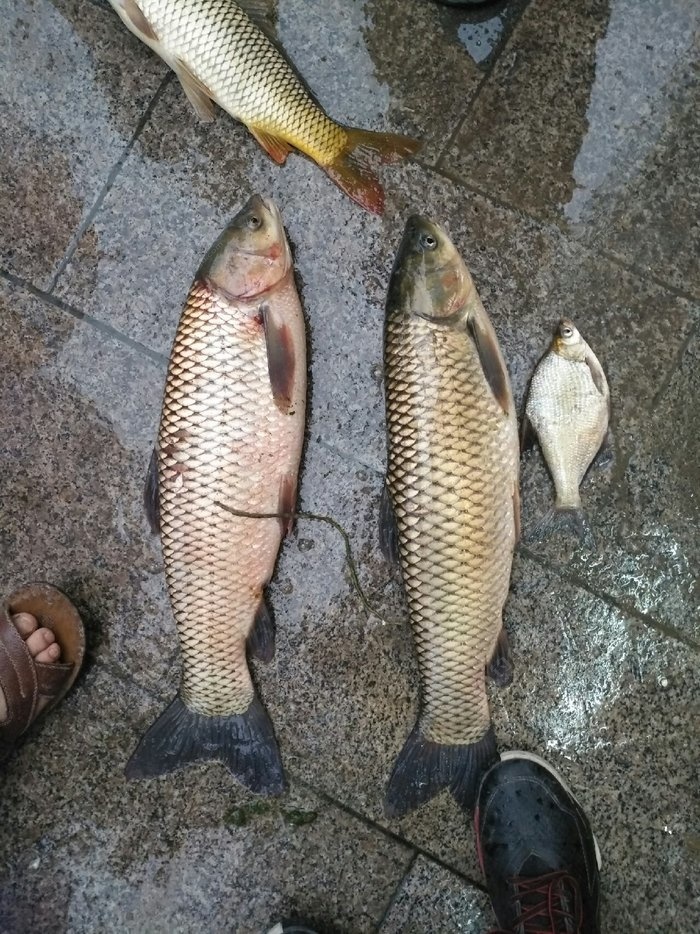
x: 480, y: 39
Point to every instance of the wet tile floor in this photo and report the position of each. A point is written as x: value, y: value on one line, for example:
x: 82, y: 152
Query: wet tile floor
x: 562, y: 154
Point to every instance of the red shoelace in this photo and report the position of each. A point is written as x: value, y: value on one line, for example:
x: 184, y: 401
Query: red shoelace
x: 549, y: 904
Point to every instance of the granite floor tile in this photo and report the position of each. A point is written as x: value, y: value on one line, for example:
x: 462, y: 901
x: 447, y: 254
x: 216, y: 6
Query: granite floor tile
x: 74, y: 85
x: 83, y: 850
x: 80, y: 414
x: 432, y: 898
x: 588, y: 120
x: 614, y: 707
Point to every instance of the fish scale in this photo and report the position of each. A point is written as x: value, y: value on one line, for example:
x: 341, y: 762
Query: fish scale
x: 245, y: 71
x: 451, y: 471
x: 567, y: 405
x: 214, y: 428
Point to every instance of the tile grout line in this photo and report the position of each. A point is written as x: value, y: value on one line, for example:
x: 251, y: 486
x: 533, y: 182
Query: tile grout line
x: 664, y: 629
x: 395, y: 894
x: 662, y: 390
x: 101, y: 326
x: 114, y: 171
x: 392, y: 835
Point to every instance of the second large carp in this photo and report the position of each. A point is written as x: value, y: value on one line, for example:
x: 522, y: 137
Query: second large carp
x: 450, y: 514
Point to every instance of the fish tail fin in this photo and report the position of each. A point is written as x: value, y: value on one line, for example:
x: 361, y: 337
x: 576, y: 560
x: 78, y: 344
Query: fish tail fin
x: 424, y: 768
x: 564, y: 519
x: 245, y: 743
x: 352, y: 169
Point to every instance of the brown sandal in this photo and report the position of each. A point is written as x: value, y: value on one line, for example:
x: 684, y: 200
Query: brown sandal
x: 32, y: 688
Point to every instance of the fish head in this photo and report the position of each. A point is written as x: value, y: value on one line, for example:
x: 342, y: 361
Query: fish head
x: 429, y: 275
x: 251, y: 255
x: 567, y: 342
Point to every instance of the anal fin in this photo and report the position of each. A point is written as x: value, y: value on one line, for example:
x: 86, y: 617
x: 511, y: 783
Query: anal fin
x: 500, y: 667
x: 276, y: 148
x: 261, y: 638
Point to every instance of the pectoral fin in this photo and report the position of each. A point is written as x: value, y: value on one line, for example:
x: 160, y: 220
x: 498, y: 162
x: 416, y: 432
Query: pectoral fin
x: 492, y: 363
x: 597, y: 374
x: 276, y: 148
x: 197, y: 94
x: 281, y: 359
x: 136, y: 17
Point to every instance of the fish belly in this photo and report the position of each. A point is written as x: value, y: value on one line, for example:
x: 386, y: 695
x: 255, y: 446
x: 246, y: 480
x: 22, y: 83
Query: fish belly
x: 569, y: 416
x: 222, y: 442
x: 452, y: 473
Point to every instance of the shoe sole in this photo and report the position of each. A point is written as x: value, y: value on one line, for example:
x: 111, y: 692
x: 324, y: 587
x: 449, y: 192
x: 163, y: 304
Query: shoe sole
x: 533, y: 757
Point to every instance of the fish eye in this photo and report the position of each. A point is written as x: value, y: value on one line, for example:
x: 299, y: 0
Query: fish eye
x: 253, y: 221
x: 427, y: 241
x: 566, y: 332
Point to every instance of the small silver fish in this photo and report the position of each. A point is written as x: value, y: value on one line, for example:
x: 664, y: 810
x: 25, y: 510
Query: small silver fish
x: 568, y: 407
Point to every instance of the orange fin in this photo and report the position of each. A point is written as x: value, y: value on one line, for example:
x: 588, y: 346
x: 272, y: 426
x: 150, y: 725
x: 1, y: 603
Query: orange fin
x: 274, y: 146
x: 287, y: 501
x: 352, y: 169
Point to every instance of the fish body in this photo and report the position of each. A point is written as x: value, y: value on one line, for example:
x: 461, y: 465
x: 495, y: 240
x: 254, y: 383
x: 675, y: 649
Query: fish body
x: 221, y: 54
x: 452, y: 498
x: 568, y: 407
x: 230, y: 436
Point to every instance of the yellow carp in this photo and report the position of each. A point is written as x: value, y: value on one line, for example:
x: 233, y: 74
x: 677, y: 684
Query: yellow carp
x: 223, y: 55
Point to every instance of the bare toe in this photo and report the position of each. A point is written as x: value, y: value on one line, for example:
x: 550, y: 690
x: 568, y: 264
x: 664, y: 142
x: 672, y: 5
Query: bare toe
x: 39, y: 640
x: 50, y: 654
x: 25, y: 624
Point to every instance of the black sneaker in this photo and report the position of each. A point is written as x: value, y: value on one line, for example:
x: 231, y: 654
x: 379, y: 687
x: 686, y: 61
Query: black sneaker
x: 536, y: 849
